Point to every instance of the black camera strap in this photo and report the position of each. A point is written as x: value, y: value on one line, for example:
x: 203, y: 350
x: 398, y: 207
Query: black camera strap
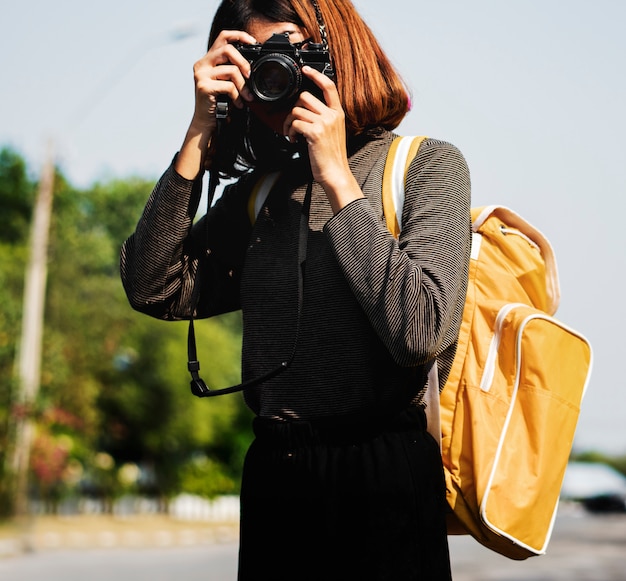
x: 199, y: 387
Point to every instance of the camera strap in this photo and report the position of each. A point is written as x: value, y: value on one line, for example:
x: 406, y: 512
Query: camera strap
x: 199, y: 387
x: 321, y: 24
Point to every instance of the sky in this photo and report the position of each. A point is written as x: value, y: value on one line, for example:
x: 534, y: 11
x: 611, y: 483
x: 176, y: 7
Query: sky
x: 533, y: 92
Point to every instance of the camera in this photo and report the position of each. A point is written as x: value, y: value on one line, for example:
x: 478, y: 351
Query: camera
x: 276, y: 68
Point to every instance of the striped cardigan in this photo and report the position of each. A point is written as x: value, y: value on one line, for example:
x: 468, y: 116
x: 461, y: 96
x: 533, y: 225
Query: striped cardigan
x: 375, y: 312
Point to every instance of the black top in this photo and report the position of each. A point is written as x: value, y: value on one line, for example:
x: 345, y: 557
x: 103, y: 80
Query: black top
x: 375, y: 311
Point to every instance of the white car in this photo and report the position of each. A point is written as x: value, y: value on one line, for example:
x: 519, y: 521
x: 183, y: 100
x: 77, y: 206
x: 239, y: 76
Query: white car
x: 599, y: 487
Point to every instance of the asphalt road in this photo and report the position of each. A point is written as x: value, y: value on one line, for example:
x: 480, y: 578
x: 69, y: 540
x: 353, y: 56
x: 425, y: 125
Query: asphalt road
x: 582, y: 548
x: 204, y: 563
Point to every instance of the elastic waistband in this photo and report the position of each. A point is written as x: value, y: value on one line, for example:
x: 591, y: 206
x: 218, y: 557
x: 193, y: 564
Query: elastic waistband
x: 336, y: 430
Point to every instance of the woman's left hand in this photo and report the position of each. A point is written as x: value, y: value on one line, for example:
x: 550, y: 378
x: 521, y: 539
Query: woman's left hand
x: 322, y: 125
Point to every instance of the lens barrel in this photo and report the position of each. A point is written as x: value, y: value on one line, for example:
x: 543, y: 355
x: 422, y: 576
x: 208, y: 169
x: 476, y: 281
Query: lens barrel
x: 275, y: 77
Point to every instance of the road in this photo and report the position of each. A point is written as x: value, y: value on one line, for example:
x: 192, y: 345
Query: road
x: 206, y: 563
x: 583, y: 548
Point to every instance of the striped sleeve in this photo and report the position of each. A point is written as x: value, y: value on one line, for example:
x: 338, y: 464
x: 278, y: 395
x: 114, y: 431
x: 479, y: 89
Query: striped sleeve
x: 155, y: 261
x: 413, y: 289
x: 160, y: 260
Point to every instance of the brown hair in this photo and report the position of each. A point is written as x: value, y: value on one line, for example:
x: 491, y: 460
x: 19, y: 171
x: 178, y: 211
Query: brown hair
x: 371, y: 91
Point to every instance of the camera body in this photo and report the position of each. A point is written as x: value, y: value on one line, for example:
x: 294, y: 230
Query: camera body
x: 276, y: 68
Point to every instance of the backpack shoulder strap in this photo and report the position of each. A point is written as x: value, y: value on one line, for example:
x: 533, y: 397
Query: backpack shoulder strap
x: 259, y: 193
x: 401, y: 153
x: 399, y: 158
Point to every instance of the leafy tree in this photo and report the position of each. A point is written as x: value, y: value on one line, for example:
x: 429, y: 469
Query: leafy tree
x: 152, y: 416
x: 17, y: 192
x: 16, y: 196
x: 114, y: 383
x: 121, y: 371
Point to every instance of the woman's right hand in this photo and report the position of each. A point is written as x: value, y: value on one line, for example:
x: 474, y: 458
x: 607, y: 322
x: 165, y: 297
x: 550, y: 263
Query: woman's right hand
x: 221, y: 71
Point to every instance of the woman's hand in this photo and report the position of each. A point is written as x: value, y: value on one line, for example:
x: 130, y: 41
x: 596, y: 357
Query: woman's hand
x: 322, y: 125
x: 221, y: 71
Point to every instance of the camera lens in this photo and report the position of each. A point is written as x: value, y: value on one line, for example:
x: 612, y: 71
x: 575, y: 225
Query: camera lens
x: 275, y: 77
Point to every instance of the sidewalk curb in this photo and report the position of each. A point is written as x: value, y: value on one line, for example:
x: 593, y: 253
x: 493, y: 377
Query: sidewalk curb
x: 125, y: 537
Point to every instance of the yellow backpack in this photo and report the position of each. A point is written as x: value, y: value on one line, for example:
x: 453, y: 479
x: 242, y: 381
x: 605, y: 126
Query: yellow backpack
x: 509, y: 409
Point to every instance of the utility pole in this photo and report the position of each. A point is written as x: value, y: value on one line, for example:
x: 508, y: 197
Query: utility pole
x: 29, y: 356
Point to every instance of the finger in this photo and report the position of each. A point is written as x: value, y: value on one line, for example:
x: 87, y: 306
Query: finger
x: 328, y: 87
x: 298, y: 122
x: 233, y: 36
x: 288, y: 131
x: 228, y: 88
x: 307, y: 101
x: 224, y: 50
x: 234, y: 74
x: 304, y: 113
x: 297, y: 129
x: 206, y: 75
x: 233, y: 56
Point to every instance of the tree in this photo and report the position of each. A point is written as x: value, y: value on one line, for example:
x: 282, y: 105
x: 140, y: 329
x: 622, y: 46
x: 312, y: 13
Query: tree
x: 123, y: 373
x: 114, y: 382
x: 17, y: 192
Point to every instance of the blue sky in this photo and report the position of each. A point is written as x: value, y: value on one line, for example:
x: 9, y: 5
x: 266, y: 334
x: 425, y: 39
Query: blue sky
x: 532, y: 92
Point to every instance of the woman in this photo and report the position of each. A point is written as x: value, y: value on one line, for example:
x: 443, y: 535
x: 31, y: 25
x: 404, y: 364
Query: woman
x: 342, y: 480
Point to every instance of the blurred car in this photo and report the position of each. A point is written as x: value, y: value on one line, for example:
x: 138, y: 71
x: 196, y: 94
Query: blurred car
x: 598, y: 487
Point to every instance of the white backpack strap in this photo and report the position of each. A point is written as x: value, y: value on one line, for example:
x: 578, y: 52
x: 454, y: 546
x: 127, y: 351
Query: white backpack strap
x: 401, y: 153
x: 399, y: 158
x: 259, y: 194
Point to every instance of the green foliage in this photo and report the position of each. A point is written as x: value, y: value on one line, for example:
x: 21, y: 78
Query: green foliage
x: 205, y: 477
x: 152, y: 416
x: 17, y: 192
x: 11, y: 282
x: 57, y: 455
x: 114, y: 382
x: 16, y: 195
x: 617, y: 462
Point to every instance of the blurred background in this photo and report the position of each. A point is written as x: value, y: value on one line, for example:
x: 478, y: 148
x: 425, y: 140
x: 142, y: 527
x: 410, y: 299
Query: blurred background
x: 95, y: 411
